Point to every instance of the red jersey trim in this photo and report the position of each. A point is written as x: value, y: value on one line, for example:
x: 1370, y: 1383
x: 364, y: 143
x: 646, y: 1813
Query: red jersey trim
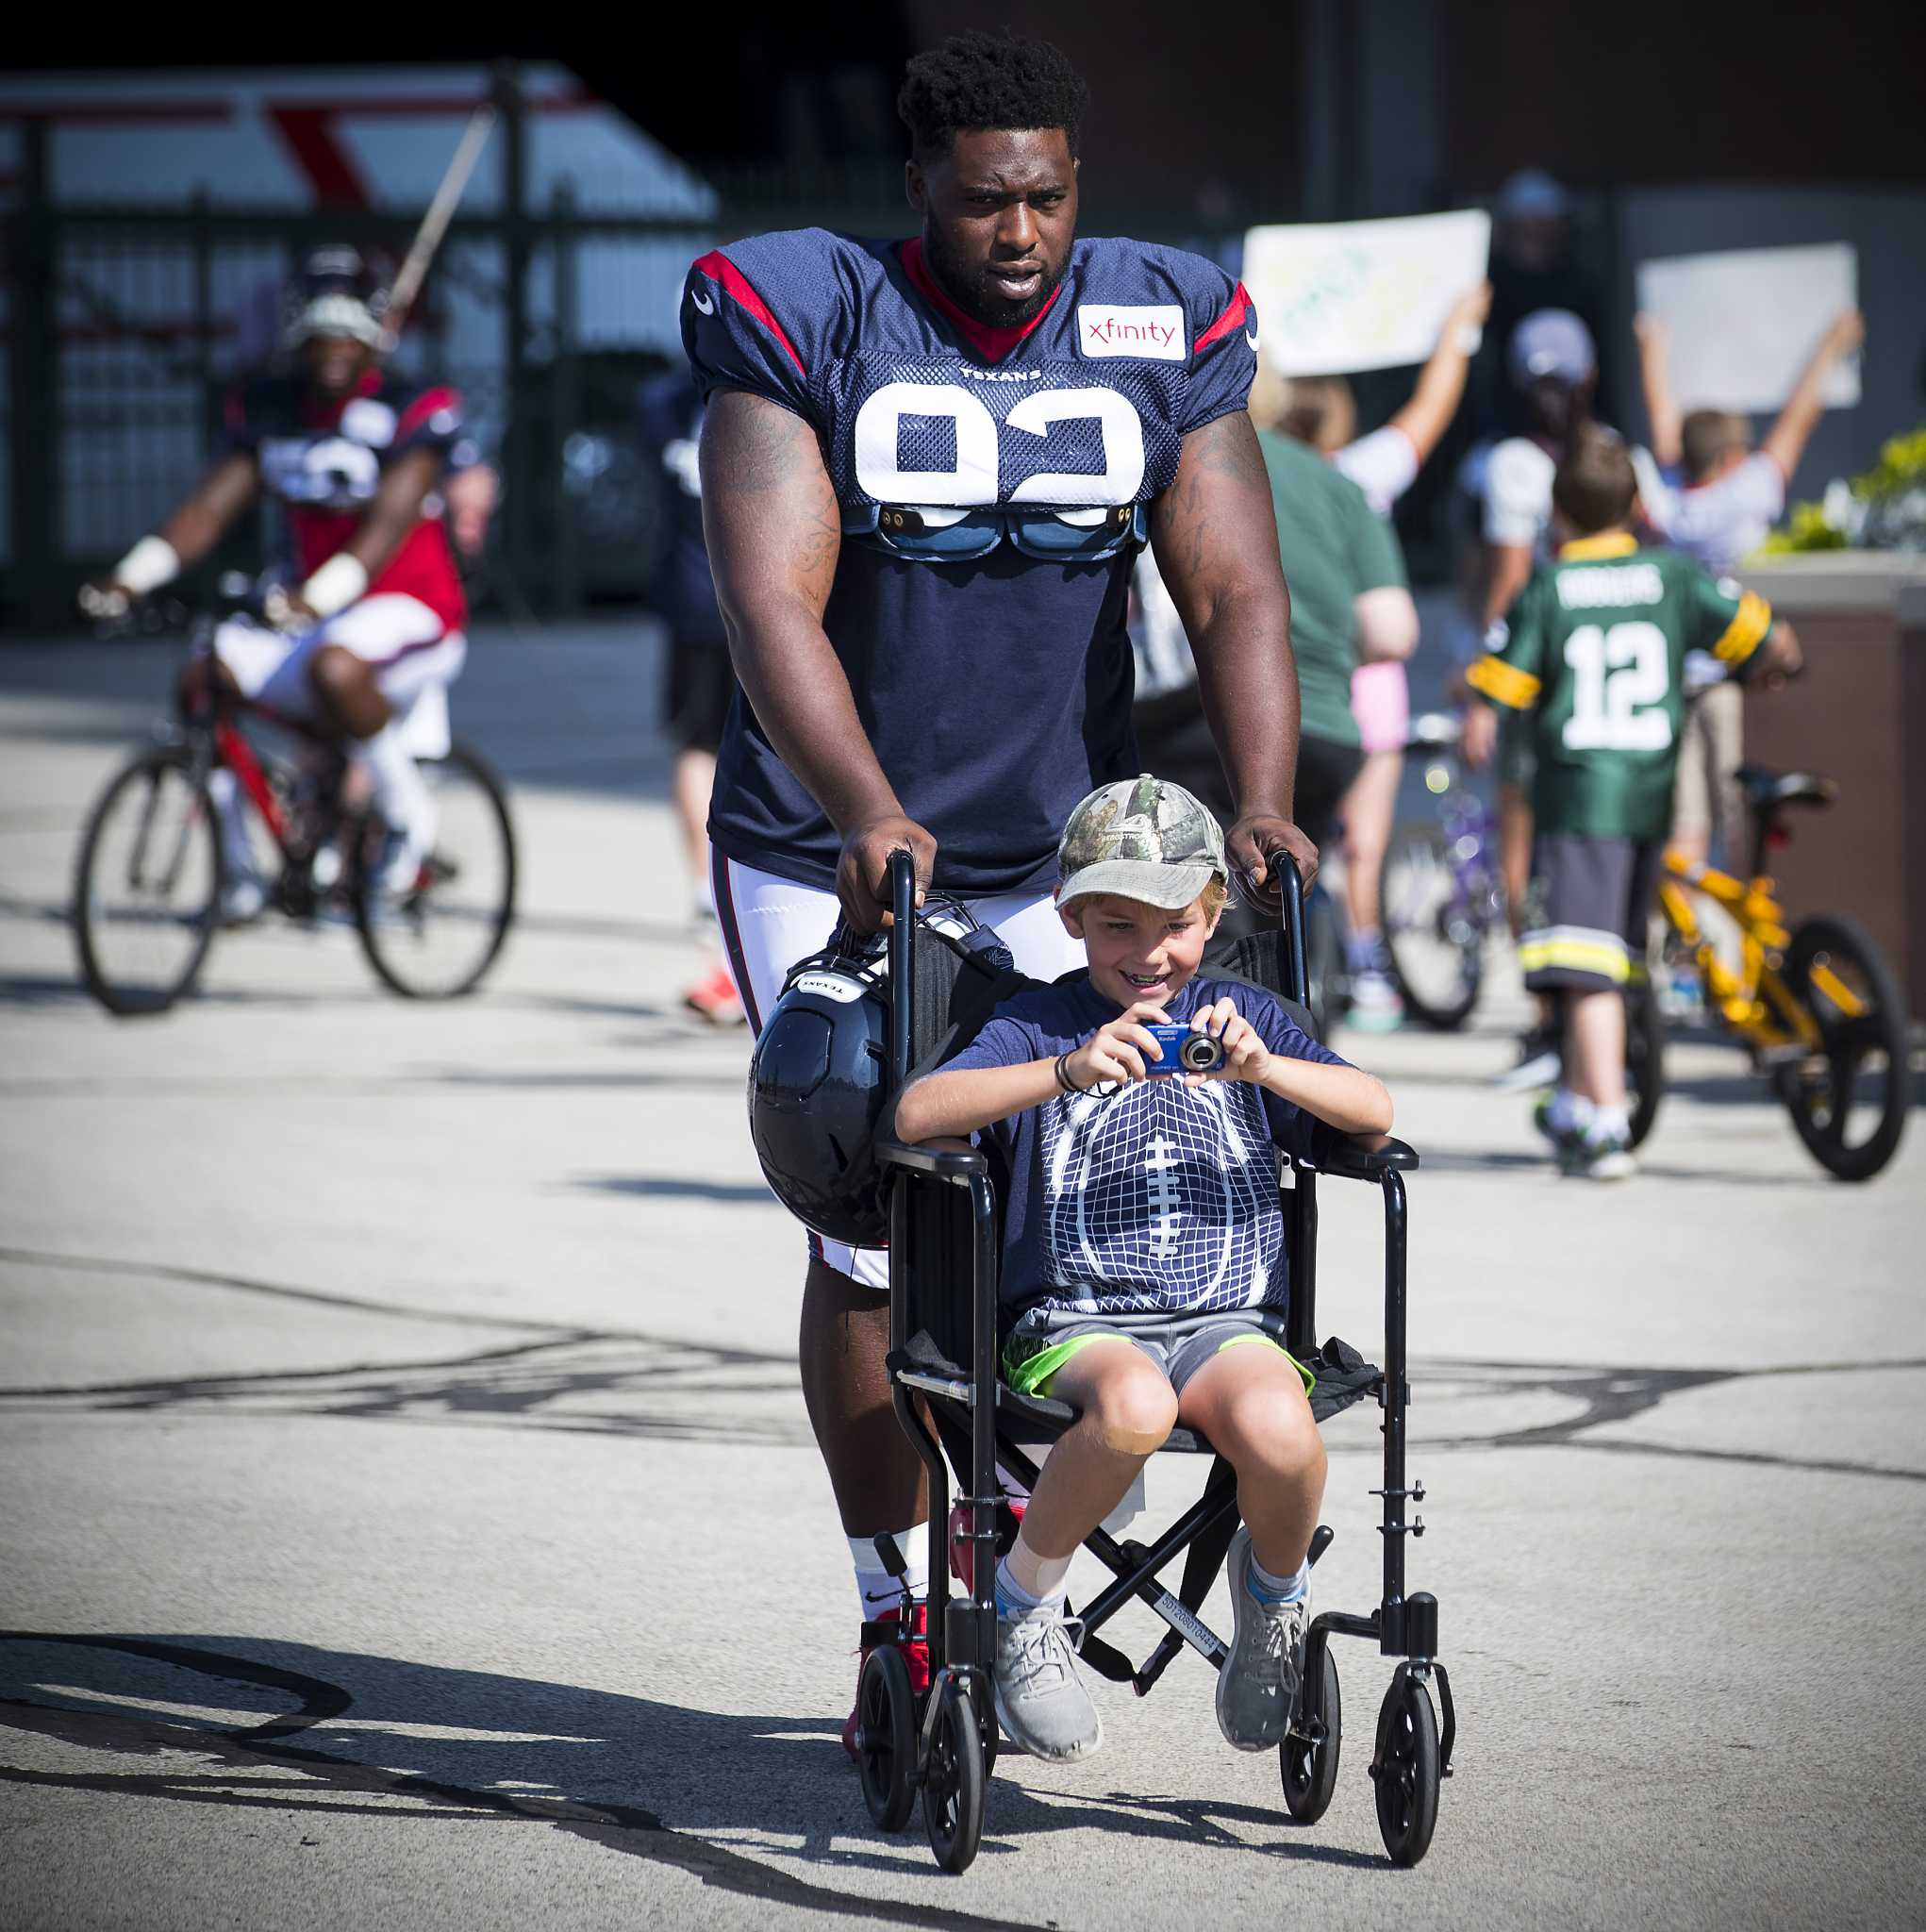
x: 992, y: 344
x: 1230, y: 319
x: 423, y: 408
x: 718, y: 268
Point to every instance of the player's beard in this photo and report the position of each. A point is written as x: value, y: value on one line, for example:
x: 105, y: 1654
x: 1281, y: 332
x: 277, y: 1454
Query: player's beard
x: 971, y: 286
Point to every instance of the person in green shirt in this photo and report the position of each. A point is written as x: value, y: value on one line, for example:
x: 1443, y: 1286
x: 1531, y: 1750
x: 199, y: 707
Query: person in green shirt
x: 1594, y: 652
x: 1349, y: 604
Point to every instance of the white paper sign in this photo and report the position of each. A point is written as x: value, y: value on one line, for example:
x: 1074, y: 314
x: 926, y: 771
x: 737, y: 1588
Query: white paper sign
x: 1744, y: 324
x: 1338, y: 296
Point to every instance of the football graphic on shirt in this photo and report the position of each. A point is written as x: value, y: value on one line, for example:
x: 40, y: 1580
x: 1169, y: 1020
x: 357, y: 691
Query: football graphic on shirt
x: 1161, y: 1186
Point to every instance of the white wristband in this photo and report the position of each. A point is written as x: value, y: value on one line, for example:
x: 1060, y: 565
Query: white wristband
x: 152, y: 562
x: 335, y: 585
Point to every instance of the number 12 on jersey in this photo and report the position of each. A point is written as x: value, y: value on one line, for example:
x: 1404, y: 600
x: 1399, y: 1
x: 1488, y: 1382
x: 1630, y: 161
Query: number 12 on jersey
x: 1622, y: 676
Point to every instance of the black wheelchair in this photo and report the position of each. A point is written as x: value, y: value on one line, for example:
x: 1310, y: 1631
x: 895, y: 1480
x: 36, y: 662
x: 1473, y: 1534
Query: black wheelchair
x: 951, y: 1399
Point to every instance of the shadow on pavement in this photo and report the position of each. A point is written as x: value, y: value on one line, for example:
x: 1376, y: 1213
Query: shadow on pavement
x: 253, y: 1723
x: 676, y: 1188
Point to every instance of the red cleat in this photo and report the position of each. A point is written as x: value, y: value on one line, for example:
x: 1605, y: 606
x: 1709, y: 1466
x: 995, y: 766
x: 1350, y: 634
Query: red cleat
x: 716, y: 1000
x: 916, y: 1654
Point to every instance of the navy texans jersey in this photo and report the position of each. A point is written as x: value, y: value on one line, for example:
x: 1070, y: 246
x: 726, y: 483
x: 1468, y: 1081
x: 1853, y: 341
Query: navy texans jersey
x: 994, y: 486
x: 321, y: 462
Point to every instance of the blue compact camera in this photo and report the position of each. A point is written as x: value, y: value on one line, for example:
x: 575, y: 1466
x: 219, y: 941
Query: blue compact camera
x: 1183, y: 1050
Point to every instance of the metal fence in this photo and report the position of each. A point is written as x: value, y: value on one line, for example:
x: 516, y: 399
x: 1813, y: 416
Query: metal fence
x: 124, y: 328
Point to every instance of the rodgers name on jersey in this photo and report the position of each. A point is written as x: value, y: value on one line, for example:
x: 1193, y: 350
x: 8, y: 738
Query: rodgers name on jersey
x: 978, y: 455
x: 1596, y: 648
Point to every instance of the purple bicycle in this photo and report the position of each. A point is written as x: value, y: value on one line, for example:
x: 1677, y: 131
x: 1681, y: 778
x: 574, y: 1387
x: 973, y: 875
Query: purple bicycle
x: 1443, y: 892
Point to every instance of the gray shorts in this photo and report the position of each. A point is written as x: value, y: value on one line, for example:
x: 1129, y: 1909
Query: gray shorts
x: 1045, y: 1339
x: 1584, y: 928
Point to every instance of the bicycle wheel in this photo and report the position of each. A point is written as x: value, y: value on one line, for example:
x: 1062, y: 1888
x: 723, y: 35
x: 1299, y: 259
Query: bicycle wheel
x: 1849, y: 1100
x: 1644, y: 1060
x: 147, y: 888
x: 1435, y: 943
x: 436, y: 940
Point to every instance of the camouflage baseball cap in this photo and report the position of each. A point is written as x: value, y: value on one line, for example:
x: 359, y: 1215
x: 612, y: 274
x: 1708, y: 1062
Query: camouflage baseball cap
x: 1142, y: 839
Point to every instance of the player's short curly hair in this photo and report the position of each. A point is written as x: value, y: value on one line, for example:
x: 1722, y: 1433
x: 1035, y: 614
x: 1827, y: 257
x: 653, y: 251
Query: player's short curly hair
x: 979, y: 80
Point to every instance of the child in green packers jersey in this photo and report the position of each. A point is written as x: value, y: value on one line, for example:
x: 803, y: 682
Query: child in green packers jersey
x: 1594, y: 649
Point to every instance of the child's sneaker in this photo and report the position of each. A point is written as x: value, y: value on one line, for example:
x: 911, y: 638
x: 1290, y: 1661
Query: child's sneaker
x: 1606, y: 1157
x: 1257, y: 1687
x: 916, y: 1654
x: 1375, y: 1003
x: 1041, y: 1700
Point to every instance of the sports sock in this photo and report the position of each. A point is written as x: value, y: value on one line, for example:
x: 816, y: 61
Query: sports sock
x: 1608, y: 1123
x: 879, y: 1592
x: 1027, y: 1579
x: 236, y: 853
x: 1569, y: 1112
x: 400, y: 795
x: 1267, y: 1588
x: 1361, y: 949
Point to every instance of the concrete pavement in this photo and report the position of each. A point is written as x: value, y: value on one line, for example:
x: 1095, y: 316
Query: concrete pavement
x: 414, y: 1518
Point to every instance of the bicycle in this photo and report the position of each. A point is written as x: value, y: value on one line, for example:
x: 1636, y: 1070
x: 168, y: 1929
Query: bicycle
x: 151, y: 876
x: 1443, y: 891
x: 1817, y: 1005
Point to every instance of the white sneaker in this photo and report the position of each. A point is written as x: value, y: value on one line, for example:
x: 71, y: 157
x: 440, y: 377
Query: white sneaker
x: 398, y: 871
x: 1375, y: 1005
x: 243, y: 899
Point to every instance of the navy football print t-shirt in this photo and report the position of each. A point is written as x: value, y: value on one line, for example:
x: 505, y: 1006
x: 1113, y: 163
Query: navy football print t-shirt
x: 994, y: 487
x: 1158, y: 1197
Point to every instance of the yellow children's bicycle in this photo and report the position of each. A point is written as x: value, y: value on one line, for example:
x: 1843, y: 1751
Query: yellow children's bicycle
x: 1819, y: 1006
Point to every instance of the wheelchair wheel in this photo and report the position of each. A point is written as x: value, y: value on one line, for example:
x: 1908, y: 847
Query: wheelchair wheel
x: 147, y: 889
x: 1644, y: 1061
x: 1405, y: 1770
x: 436, y: 940
x: 1849, y: 1100
x: 953, y: 1779
x: 1308, y: 1763
x: 886, y: 1737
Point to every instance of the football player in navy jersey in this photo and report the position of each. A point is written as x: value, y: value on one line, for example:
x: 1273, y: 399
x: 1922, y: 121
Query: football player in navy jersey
x: 926, y: 469
x: 356, y: 458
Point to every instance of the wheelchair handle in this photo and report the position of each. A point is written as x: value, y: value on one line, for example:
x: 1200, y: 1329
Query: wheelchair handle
x: 901, y: 963
x: 1291, y: 890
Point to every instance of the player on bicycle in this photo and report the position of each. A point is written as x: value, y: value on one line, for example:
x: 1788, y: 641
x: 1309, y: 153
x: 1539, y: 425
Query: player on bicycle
x: 356, y: 457
x: 926, y: 469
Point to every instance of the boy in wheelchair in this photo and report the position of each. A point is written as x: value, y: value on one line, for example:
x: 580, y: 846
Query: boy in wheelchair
x: 1144, y: 1245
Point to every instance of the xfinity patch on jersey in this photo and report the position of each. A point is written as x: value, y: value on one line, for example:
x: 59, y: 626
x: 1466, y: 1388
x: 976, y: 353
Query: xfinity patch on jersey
x: 1154, y: 330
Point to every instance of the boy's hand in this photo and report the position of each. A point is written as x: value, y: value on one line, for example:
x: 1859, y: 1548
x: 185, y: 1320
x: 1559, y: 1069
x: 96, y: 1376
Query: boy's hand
x: 1121, y: 1049
x: 1246, y: 1056
x: 1480, y: 735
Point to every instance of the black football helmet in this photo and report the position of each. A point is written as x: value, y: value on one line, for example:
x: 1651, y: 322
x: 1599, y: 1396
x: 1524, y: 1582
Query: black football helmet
x: 336, y: 292
x: 819, y: 1080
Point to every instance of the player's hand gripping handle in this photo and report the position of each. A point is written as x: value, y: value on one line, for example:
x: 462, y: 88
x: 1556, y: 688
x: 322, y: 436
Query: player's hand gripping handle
x: 862, y: 872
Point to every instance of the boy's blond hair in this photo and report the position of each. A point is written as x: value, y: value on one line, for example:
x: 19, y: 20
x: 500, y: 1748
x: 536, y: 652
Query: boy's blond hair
x: 1209, y: 901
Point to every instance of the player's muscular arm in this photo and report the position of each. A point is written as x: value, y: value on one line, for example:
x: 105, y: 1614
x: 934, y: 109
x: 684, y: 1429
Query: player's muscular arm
x: 773, y: 532
x: 404, y: 487
x: 216, y: 500
x: 1216, y: 540
x: 189, y: 532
